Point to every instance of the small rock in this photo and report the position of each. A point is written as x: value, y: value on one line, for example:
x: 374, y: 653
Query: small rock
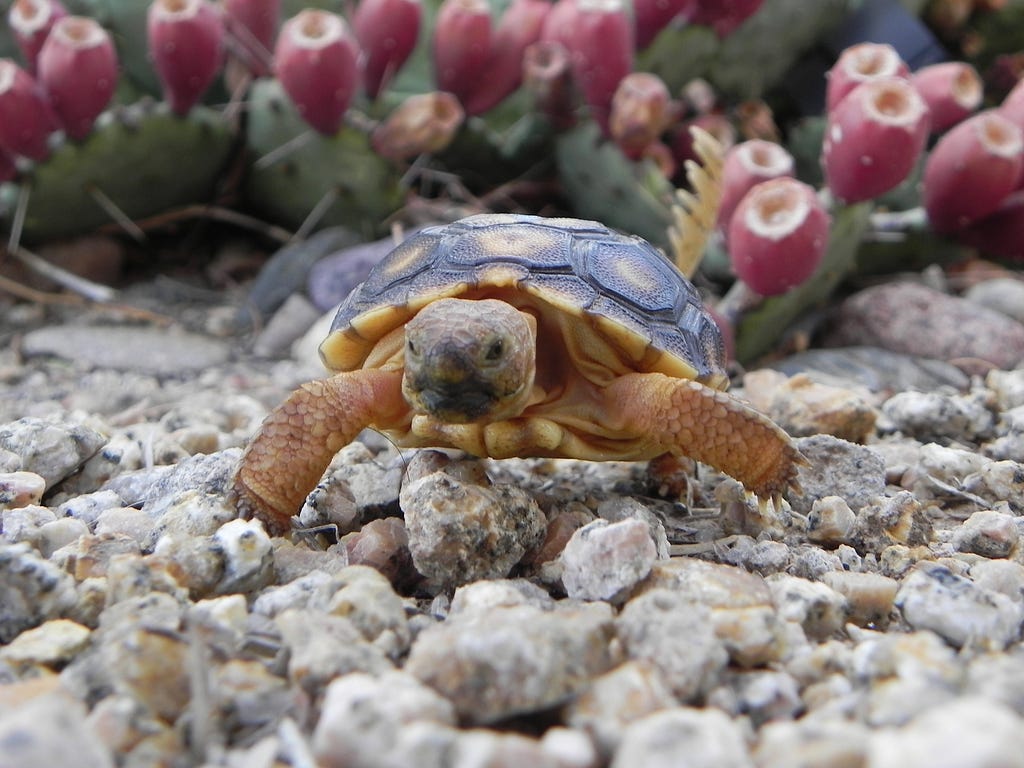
x: 50, y: 644
x: 831, y: 521
x: 293, y: 561
x: 649, y: 629
x: 876, y: 369
x: 870, y: 597
x: 970, y: 731
x: 251, y: 698
x: 151, y: 665
x: 999, y: 482
x: 331, y: 503
x: 696, y: 738
x: 363, y: 717
x: 88, y: 507
x: 1003, y: 294
x: 205, y: 477
x: 374, y: 485
x: 569, y: 748
x: 1002, y: 576
x: 460, y: 533
x: 766, y: 695
x: 60, y: 533
x: 987, y: 533
x: 51, y: 449
x: 837, y: 468
x: 605, y: 561
x: 933, y: 597
x: 889, y: 520
x: 997, y: 677
x: 1008, y: 387
x: 929, y: 416
x: 32, y: 590
x: 311, y: 591
x: 25, y: 523
x: 908, y: 317
x: 51, y: 730
x: 811, y: 743
x: 365, y: 597
x: 382, y: 544
x: 127, y: 521
x: 20, y: 489
x: 617, y: 698
x: 513, y: 660
x: 620, y: 508
x: 248, y: 556
x: 483, y: 596
x: 200, y: 562
x: 804, y: 407
x: 819, y: 609
x: 288, y: 323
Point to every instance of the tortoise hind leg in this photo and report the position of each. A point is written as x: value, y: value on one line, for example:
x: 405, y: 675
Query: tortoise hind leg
x: 712, y: 427
x: 296, y: 442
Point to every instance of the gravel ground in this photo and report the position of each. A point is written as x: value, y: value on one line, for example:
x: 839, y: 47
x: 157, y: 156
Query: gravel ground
x: 447, y: 612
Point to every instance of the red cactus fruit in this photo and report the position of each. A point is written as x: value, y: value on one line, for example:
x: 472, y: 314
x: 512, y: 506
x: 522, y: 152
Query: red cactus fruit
x: 858, y: 64
x: 317, y: 62
x: 547, y: 75
x: 78, y: 71
x: 715, y: 123
x: 422, y: 124
x: 519, y: 27
x: 30, y: 22
x: 599, y: 37
x: 778, y: 235
x: 462, y: 43
x: 971, y: 170
x: 952, y: 90
x: 387, y: 31
x: 26, y: 119
x: 186, y: 43
x: 641, y: 110
x: 724, y: 16
x: 746, y: 165
x: 252, y: 25
x: 1013, y: 105
x: 1000, y: 233
x: 873, y: 138
x: 661, y: 155
x: 652, y: 16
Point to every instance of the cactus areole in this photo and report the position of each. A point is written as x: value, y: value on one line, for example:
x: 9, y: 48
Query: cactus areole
x: 509, y: 335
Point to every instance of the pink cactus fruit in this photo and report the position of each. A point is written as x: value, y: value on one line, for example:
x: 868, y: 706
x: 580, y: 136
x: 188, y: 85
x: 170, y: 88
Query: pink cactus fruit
x: 26, y: 119
x: 317, y: 62
x: 8, y: 170
x: 640, y: 113
x: 777, y: 235
x: 971, y: 170
x: 746, y: 165
x: 724, y: 16
x: 547, y: 75
x: 873, y: 138
x: 30, y: 22
x: 424, y: 123
x: 858, y: 64
x: 519, y: 27
x: 659, y: 153
x: 599, y: 38
x: 1000, y: 233
x: 387, y: 31
x: 652, y: 16
x: 952, y: 90
x: 78, y: 71
x: 1013, y: 105
x: 715, y: 123
x: 252, y: 26
x: 186, y: 42
x: 462, y: 43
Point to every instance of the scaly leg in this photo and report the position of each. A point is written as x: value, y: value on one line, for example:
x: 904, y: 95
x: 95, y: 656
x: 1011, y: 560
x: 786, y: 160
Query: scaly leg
x: 296, y: 442
x: 713, y: 427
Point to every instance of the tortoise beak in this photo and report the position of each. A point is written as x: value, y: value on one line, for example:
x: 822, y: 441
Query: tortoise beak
x: 449, y: 387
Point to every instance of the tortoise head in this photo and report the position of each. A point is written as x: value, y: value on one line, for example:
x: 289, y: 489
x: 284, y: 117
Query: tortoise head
x: 468, y: 361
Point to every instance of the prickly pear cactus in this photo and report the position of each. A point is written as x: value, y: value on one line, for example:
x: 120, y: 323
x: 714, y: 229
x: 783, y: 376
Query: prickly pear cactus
x: 142, y: 158
x: 288, y: 181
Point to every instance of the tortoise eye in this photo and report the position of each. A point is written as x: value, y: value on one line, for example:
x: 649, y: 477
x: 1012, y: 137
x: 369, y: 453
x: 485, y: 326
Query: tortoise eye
x: 410, y: 347
x: 495, y: 350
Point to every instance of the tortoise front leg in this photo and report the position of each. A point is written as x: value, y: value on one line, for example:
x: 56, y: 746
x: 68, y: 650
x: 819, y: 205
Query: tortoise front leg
x: 287, y: 456
x: 682, y: 416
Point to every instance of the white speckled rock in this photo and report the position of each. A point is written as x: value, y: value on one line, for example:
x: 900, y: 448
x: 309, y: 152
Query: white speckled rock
x: 819, y: 609
x: 32, y: 590
x: 248, y: 556
x: 696, y: 738
x: 51, y: 730
x: 20, y: 489
x: 935, y: 415
x: 52, y: 449
x: 366, y: 598
x: 811, y: 743
x: 838, y: 468
x: 1003, y: 576
x: 605, y: 561
x: 999, y: 482
x: 331, y: 503
x: 830, y: 521
x: 933, y: 597
x: 869, y: 596
x: 59, y: 533
x: 987, y: 533
x: 482, y: 596
x: 51, y: 643
x: 24, y: 523
x: 1008, y: 387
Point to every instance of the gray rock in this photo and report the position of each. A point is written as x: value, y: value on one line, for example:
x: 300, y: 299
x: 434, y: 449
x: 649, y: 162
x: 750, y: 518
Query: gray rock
x: 605, y: 561
x: 880, y: 370
x: 831, y: 521
x: 697, y: 738
x: 987, y: 533
x: 513, y: 660
x: 999, y: 482
x: 1008, y: 387
x: 89, y: 506
x: 891, y: 520
x: 483, y: 596
x: 248, y: 556
x: 374, y: 484
x: 141, y: 349
x: 460, y: 533
x: 623, y: 508
x: 910, y: 318
x: 1003, y: 294
x: 811, y: 742
x: 933, y: 597
x: 870, y: 597
x: 819, y: 609
x: 20, y: 489
x: 649, y: 629
x: 837, y: 468
x: 50, y: 730
x: 929, y: 416
x: 366, y: 598
x: 25, y: 523
x: 204, y: 475
x: 51, y: 449
x: 766, y: 695
x: 32, y: 590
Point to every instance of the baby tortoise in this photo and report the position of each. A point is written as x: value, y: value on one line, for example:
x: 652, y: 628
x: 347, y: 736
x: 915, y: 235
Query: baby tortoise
x: 506, y: 335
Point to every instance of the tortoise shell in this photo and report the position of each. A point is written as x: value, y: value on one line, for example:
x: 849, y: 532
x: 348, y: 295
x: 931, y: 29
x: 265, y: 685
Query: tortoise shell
x: 624, y: 288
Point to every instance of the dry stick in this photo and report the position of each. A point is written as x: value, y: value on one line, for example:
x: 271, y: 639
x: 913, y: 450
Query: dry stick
x: 86, y: 288
x: 318, y: 212
x: 39, y: 297
x: 216, y: 213
x: 113, y: 211
x: 278, y: 154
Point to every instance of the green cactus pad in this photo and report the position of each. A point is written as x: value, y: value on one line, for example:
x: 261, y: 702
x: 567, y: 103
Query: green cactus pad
x: 367, y: 187
x: 143, y: 158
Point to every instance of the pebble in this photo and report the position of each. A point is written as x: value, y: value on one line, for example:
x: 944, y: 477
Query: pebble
x: 890, y: 520
x: 930, y: 416
x: 1003, y: 294
x: 964, y: 614
x: 365, y: 597
x: 830, y: 521
x: 837, y: 468
x: 817, y: 607
x: 617, y: 509
x: 987, y: 533
x: 483, y: 596
x: 32, y: 590
x: 151, y: 664
x: 460, y: 533
x: 605, y: 561
x: 52, y: 449
x: 999, y: 482
x: 811, y: 743
x: 248, y: 556
x: 911, y: 318
x: 374, y: 484
x: 875, y: 369
x: 513, y: 660
x: 51, y: 730
x: 764, y: 696
x: 1003, y: 576
x: 88, y: 507
x: 384, y: 545
x: 20, y: 489
x: 331, y: 503
x: 50, y: 644
x: 805, y: 407
x: 1008, y: 387
x: 870, y: 597
x: 697, y: 738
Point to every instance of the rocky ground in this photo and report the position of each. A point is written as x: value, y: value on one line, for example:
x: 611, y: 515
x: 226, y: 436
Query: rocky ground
x: 443, y: 612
